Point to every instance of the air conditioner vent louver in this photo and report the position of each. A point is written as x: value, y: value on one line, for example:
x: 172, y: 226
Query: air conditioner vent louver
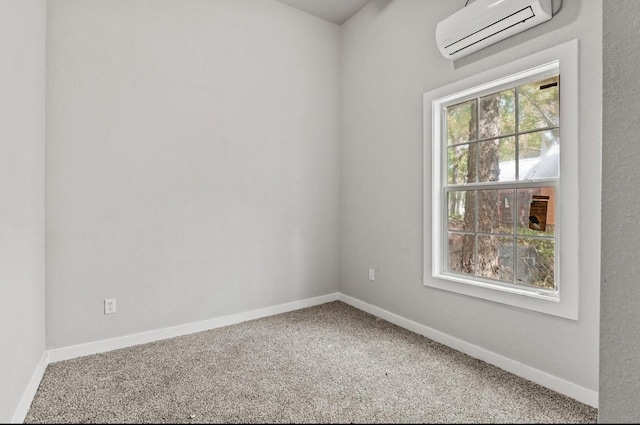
x: 485, y: 22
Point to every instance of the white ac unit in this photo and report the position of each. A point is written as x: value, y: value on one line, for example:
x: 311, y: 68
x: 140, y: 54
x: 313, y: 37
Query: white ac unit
x: 485, y: 22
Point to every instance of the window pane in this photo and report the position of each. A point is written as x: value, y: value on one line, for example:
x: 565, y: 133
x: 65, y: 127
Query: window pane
x: 535, y: 265
x: 461, y: 209
x: 495, y: 257
x: 493, y: 217
x: 461, y: 122
x: 487, y: 260
x: 497, y: 114
x: 536, y: 211
x: 461, y: 253
x: 497, y: 160
x: 462, y: 164
x: 506, y: 259
x: 458, y: 158
x: 539, y: 155
x: 539, y: 105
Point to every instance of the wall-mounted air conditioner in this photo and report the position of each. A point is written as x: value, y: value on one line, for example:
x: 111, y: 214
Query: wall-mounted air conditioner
x: 485, y: 22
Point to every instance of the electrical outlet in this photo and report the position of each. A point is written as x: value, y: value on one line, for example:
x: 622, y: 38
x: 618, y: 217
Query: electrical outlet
x: 110, y: 306
x: 372, y: 274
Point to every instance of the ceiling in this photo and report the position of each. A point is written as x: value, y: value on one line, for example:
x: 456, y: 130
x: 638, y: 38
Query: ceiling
x: 336, y: 11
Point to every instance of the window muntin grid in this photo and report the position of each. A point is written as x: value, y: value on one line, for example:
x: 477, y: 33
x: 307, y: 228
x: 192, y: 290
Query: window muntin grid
x: 509, y: 250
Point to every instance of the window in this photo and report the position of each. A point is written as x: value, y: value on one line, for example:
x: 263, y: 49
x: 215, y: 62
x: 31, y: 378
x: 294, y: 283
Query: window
x: 504, y: 184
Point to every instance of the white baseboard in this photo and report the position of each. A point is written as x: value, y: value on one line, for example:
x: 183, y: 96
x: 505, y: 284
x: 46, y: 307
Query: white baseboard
x: 560, y: 385
x: 102, y: 346
x: 552, y: 382
x: 29, y: 393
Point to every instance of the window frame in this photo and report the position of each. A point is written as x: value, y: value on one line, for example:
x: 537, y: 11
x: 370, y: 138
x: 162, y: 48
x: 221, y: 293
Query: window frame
x: 562, y: 60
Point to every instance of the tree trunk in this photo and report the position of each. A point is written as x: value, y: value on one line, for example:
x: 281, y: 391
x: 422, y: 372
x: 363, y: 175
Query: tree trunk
x: 486, y: 168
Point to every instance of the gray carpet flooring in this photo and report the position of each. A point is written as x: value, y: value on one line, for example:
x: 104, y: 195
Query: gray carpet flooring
x: 326, y: 364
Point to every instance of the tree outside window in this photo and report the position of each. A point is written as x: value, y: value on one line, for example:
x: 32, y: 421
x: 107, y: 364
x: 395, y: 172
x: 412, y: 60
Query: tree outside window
x: 502, y: 170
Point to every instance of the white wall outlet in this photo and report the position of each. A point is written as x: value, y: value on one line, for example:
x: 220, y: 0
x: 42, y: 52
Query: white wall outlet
x: 110, y: 306
x: 372, y: 274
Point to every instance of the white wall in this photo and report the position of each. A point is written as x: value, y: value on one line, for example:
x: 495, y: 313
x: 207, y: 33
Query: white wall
x: 620, y: 312
x: 22, y: 133
x: 389, y: 60
x: 193, y: 162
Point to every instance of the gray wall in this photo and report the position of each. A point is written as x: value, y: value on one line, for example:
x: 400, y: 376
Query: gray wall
x: 620, y: 297
x: 193, y: 171
x: 22, y: 134
x: 192, y: 162
x: 389, y: 60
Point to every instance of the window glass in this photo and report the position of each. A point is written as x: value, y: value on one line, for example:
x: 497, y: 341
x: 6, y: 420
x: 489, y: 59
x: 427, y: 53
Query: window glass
x: 536, y: 211
x: 462, y: 122
x: 458, y: 158
x: 500, y: 149
x: 461, y: 220
x: 535, y: 263
x: 492, y: 215
x: 539, y: 104
x: 502, y: 230
x: 539, y: 155
x: 461, y: 259
x: 497, y: 160
x: 497, y: 114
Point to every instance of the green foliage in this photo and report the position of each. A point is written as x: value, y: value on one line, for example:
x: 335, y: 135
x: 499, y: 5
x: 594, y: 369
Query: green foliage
x: 461, y: 122
x: 539, y: 108
x: 492, y: 118
x: 543, y: 273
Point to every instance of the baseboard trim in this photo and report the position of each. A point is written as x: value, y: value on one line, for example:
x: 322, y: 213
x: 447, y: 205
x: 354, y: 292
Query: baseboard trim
x: 552, y: 382
x: 29, y: 393
x: 75, y: 351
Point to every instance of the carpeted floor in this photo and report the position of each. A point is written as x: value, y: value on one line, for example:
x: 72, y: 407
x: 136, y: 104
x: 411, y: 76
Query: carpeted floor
x: 326, y: 364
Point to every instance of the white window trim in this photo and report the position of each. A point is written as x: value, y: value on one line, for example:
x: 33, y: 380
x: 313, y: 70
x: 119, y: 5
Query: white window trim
x: 563, y: 59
